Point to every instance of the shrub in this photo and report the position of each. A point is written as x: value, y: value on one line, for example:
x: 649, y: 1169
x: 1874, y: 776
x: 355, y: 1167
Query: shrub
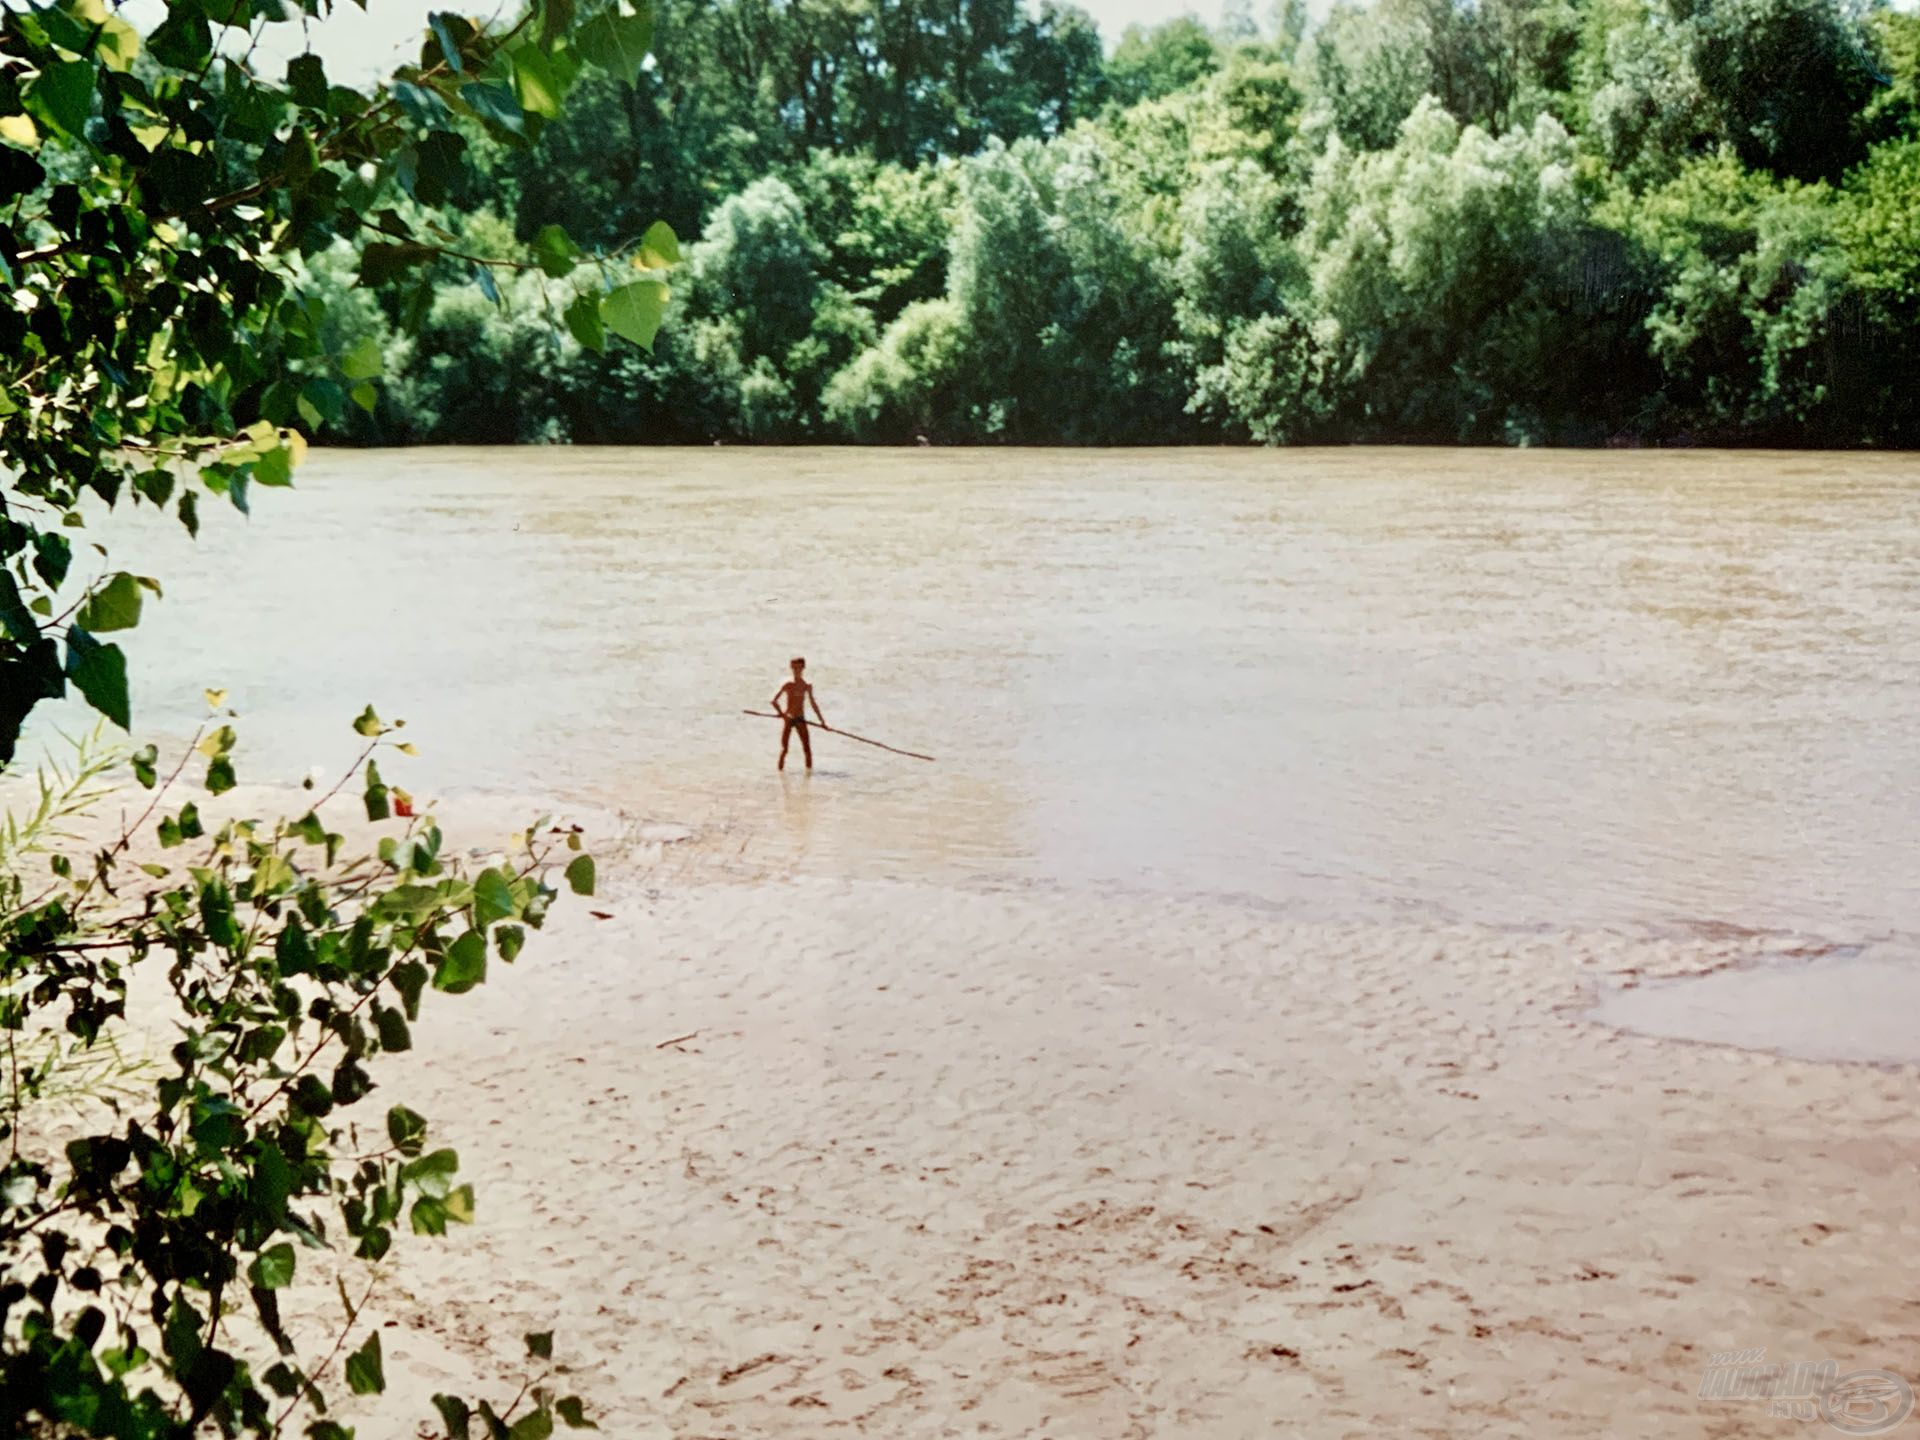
x: 147, y: 1242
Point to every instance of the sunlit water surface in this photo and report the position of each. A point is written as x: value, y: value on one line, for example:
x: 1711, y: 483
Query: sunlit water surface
x: 1523, y: 688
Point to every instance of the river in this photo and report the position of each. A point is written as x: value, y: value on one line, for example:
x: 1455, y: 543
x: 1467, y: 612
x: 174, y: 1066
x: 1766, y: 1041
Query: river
x: 1670, y: 689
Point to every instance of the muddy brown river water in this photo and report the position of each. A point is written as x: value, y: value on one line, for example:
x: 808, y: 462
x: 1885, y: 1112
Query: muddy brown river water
x: 1660, y: 691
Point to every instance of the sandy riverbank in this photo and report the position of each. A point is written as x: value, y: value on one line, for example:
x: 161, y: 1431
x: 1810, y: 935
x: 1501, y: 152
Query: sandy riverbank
x: 1024, y: 1162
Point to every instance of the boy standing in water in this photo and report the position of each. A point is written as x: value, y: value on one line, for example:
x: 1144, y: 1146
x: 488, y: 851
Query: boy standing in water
x: 791, y: 701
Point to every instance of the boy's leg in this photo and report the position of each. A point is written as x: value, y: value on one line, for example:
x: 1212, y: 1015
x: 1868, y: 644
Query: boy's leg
x: 786, y: 734
x: 806, y: 744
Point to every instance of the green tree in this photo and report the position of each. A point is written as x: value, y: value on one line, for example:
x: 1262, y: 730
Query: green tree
x: 1169, y: 57
x: 1151, y: 276
x: 1444, y: 274
x: 1239, y: 282
x: 1766, y: 326
x: 883, y: 227
x: 617, y: 159
x: 143, y: 1261
x: 1786, y: 83
x: 909, y: 384
x: 1895, y: 108
x: 1007, y: 270
x: 1785, y: 80
x: 1645, y: 108
x: 1370, y: 68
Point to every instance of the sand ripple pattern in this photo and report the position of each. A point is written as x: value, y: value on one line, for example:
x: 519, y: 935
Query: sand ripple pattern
x: 948, y: 1163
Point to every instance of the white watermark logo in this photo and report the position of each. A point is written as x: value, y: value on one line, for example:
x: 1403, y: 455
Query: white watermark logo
x: 1858, y: 1402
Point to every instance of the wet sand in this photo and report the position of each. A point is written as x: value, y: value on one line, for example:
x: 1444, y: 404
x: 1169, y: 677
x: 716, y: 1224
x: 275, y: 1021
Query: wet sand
x: 812, y: 1157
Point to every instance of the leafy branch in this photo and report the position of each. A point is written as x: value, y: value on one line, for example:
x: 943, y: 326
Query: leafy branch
x: 290, y: 969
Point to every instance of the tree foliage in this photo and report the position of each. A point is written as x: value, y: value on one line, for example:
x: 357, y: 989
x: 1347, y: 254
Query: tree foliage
x: 152, y: 1215
x: 161, y: 347
x: 1417, y: 220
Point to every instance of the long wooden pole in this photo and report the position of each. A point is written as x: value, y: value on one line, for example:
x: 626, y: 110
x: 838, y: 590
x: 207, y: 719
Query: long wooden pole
x: 844, y: 734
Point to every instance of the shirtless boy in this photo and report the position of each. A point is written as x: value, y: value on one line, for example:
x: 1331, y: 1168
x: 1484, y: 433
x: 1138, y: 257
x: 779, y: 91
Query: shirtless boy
x: 791, y: 700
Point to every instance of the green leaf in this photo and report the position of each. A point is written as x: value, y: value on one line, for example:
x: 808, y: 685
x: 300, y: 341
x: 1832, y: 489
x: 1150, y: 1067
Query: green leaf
x: 451, y: 31
x: 432, y: 1174
x: 274, y: 468
x: 307, y: 79
x: 114, y: 606
x: 659, y: 247
x: 535, y: 84
x: 365, y: 396
x: 272, y: 1268
x: 574, y: 1413
x: 383, y: 261
x: 463, y: 966
x: 220, y: 776
x: 412, y: 903
x: 406, y: 1130
x: 511, y: 940
x: 634, y: 312
x: 428, y: 1216
x: 492, y: 898
x: 534, y: 1425
x: 118, y: 45
x: 363, y: 361
x: 375, y: 794
x: 583, y: 319
x: 62, y: 96
x: 496, y: 104
x: 455, y: 1415
x: 423, y: 106
x: 99, y: 672
x: 391, y: 1026
x: 459, y: 1205
x: 368, y: 724
x: 539, y: 1344
x: 145, y: 761
x: 272, y: 1184
x: 365, y: 1374
x: 321, y: 401
x: 184, y: 40
x: 175, y: 830
x: 180, y: 1336
x: 216, y: 914
x: 580, y: 874
x: 20, y: 130
x: 15, y: 619
x: 618, y: 43
x: 439, y: 167
x: 555, y: 251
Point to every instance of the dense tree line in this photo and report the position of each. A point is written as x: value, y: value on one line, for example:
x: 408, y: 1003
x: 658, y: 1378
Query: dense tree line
x: 1510, y: 221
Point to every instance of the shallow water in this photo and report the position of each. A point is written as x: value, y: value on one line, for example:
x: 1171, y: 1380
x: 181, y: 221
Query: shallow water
x: 1649, y: 690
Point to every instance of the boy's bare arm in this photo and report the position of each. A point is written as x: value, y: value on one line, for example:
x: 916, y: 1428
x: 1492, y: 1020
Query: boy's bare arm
x: 816, y: 705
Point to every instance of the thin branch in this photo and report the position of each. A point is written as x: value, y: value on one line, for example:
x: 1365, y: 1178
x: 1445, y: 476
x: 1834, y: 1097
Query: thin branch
x: 126, y: 835
x: 352, y: 770
x: 310, y: 1381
